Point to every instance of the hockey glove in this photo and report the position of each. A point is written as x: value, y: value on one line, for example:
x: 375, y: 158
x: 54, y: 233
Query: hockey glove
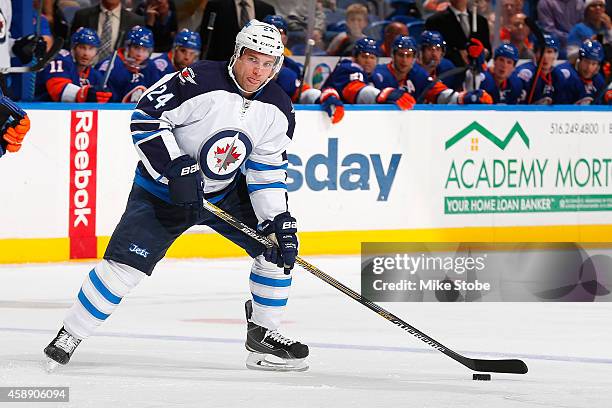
x: 608, y: 97
x: 186, y: 186
x: 331, y: 103
x: 476, y: 55
x: 29, y: 47
x: 14, y: 124
x: 477, y: 97
x: 89, y: 94
x: 282, y: 230
x: 396, y: 96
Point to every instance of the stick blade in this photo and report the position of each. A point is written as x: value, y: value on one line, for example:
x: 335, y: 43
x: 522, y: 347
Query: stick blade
x: 499, y: 366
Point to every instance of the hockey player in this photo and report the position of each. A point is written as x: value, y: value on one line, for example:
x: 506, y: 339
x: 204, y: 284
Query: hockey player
x: 71, y: 77
x: 545, y: 83
x: 186, y: 51
x: 216, y: 131
x: 402, y: 72
x: 431, y: 58
x: 133, y: 71
x: 499, y: 82
x: 582, y: 82
x: 351, y: 79
x: 14, y: 124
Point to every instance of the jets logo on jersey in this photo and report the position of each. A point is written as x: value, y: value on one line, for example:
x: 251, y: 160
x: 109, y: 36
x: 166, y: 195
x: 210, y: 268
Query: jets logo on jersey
x: 222, y: 154
x: 187, y: 75
x: 3, y: 28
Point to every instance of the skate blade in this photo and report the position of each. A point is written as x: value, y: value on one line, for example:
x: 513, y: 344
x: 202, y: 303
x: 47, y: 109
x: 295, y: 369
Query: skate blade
x: 267, y: 362
x: 50, y: 365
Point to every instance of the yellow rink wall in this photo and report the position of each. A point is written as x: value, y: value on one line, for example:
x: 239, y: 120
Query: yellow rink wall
x: 435, y: 174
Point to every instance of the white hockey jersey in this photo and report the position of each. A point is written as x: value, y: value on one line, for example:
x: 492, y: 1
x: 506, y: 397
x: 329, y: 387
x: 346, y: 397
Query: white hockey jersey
x: 199, y: 111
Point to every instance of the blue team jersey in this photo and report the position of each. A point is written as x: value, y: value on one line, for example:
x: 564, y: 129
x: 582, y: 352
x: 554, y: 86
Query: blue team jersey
x: 574, y: 89
x: 293, y: 65
x: 344, y: 77
x: 50, y: 83
x: 509, y: 93
x: 128, y: 86
x: 544, y: 92
x: 453, y: 82
x: 164, y: 64
x: 414, y: 83
x: 288, y: 81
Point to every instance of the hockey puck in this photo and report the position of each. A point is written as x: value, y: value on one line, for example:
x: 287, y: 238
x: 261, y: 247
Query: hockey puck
x: 481, y: 377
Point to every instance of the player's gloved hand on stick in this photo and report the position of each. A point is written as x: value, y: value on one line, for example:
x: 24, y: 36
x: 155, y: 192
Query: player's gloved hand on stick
x: 89, y: 94
x: 396, y: 96
x: 477, y: 97
x: 282, y: 230
x: 186, y: 186
x: 331, y: 103
x: 476, y: 55
x: 28, y: 47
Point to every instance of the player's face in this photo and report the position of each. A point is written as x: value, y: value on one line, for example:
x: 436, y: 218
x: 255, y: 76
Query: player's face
x: 84, y: 54
x: 587, y: 68
x: 138, y: 53
x: 550, y: 55
x: 356, y: 23
x: 252, y: 69
x: 431, y: 54
x: 403, y: 60
x: 184, y: 57
x: 502, y: 68
x: 367, y: 61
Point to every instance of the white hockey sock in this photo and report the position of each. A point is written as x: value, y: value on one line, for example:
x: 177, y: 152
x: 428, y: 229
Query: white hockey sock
x: 270, y: 290
x: 101, y: 292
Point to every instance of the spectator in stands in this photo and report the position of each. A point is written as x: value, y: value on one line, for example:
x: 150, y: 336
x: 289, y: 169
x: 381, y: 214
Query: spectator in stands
x: 108, y: 19
x: 596, y: 24
x: 454, y: 24
x: 160, y: 17
x: 232, y: 15
x: 356, y: 22
x: 433, y: 6
x: 509, y: 8
x: 557, y: 17
x: 392, y: 31
x: 518, y: 35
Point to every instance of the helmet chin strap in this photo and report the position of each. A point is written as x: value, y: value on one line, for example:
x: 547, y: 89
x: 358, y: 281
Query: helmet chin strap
x: 230, y: 71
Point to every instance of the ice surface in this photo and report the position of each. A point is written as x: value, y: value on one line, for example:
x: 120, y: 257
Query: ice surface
x: 177, y: 340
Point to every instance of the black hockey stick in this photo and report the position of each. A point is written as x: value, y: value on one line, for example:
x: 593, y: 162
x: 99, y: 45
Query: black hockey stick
x: 542, y: 48
x: 210, y: 27
x: 111, y: 63
x: 40, y: 64
x: 492, y: 366
x: 444, y: 75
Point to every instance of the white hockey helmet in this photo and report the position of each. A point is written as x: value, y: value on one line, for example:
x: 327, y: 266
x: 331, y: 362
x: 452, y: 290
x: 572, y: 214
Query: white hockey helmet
x: 260, y: 37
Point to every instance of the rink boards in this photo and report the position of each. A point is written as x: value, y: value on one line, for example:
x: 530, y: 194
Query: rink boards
x: 443, y: 174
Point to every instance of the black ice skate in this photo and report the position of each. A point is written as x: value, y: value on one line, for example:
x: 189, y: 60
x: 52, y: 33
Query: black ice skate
x: 270, y: 350
x: 60, y: 349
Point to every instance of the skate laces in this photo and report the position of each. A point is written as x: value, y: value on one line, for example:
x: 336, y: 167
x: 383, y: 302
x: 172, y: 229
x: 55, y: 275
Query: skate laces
x: 276, y: 336
x: 67, y: 342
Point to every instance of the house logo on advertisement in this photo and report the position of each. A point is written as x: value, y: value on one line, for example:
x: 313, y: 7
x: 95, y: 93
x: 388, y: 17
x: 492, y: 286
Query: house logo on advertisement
x: 487, y: 134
